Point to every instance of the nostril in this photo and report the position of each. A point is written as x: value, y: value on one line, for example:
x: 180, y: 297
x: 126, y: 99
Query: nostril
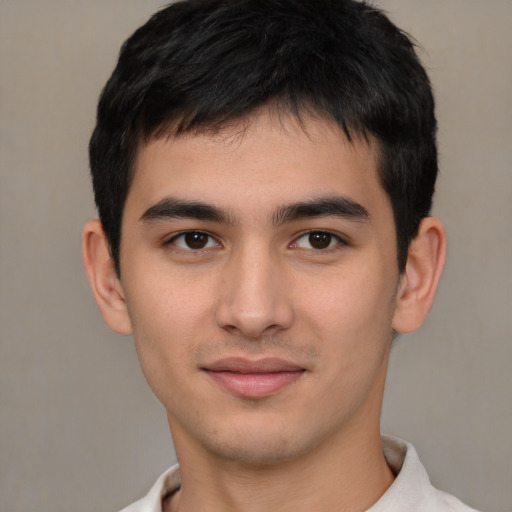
x: 253, y: 301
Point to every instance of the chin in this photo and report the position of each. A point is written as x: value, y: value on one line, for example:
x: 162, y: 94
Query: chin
x: 256, y: 452
x: 258, y: 444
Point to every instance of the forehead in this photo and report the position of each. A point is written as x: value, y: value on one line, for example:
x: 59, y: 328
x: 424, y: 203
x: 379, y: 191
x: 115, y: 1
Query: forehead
x: 266, y: 144
x: 258, y: 164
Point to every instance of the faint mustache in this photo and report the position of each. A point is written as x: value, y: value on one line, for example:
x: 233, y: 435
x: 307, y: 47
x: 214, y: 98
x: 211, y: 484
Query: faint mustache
x: 275, y: 346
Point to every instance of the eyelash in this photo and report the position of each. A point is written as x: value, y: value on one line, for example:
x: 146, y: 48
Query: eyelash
x: 334, y: 241
x: 332, y: 237
x: 174, y: 238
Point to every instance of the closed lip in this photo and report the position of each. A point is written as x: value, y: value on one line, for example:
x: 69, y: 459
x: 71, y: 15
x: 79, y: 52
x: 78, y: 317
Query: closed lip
x: 243, y: 366
x: 253, y: 379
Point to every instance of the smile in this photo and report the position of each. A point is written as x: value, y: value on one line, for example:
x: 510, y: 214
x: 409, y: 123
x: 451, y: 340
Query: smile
x: 253, y: 379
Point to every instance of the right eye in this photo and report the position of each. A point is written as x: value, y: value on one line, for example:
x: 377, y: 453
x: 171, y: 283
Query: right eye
x: 319, y: 241
x: 193, y: 241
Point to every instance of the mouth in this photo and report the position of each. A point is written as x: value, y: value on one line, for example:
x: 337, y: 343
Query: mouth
x: 253, y: 379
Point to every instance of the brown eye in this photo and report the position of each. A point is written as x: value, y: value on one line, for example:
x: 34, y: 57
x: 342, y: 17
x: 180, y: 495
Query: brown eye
x: 320, y: 240
x: 194, y: 241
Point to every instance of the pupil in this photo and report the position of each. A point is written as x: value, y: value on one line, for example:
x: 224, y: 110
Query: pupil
x: 196, y: 240
x: 320, y: 240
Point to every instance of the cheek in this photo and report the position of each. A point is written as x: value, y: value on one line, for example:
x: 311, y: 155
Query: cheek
x: 352, y: 323
x: 350, y: 317
x: 169, y: 318
x: 356, y: 303
x: 167, y: 303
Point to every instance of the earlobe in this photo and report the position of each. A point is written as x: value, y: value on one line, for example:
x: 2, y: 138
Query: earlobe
x: 418, y: 284
x: 106, y: 287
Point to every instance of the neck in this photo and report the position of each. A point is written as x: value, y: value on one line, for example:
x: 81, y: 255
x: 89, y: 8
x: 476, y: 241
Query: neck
x: 349, y: 477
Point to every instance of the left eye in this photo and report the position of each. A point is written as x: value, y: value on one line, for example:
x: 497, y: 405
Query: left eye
x: 318, y: 240
x: 194, y: 241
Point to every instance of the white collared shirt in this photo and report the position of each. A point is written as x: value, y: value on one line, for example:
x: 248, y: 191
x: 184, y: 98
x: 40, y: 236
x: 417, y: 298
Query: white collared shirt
x: 410, y: 492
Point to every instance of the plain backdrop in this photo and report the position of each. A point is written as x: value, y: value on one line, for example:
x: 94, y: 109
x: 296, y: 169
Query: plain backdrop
x: 79, y: 427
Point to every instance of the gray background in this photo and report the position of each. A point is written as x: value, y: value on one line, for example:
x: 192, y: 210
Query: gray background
x: 79, y: 428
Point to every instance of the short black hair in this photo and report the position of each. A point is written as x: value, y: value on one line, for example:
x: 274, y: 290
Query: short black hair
x: 200, y: 64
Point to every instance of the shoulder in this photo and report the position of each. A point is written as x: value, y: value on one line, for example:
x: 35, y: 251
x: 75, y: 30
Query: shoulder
x: 412, y: 491
x: 444, y: 502
x: 167, y: 483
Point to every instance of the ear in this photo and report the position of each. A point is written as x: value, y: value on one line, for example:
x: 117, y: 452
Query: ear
x: 418, y: 283
x: 105, y: 284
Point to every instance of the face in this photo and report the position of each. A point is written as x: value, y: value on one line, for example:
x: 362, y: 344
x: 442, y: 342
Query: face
x: 260, y: 275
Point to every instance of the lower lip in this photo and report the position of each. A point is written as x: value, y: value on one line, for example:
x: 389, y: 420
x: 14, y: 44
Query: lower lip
x: 255, y: 385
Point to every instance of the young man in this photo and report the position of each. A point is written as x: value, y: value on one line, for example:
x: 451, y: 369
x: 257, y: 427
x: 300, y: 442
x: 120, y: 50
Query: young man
x: 264, y: 171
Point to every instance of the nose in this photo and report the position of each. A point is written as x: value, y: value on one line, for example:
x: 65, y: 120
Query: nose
x: 254, y: 300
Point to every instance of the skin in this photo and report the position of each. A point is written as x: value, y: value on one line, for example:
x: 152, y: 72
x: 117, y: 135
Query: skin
x: 321, y: 293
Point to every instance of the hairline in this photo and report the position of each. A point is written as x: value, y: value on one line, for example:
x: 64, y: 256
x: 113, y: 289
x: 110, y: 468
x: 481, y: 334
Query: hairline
x: 177, y: 126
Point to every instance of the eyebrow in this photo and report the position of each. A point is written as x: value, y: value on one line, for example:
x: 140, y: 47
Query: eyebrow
x: 335, y: 206
x: 173, y: 208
